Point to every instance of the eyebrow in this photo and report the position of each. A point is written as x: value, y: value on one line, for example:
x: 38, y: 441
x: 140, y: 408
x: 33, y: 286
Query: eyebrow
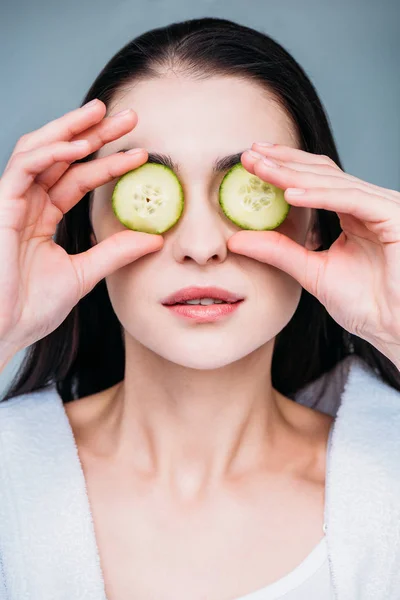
x: 220, y: 164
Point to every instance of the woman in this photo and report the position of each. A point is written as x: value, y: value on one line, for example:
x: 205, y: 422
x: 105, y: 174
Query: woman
x: 151, y: 455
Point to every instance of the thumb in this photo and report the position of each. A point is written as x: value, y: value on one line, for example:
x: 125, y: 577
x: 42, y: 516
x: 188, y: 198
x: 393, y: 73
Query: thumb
x: 280, y: 251
x: 111, y: 254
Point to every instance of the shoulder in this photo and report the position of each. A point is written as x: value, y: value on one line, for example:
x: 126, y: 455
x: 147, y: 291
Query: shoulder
x: 327, y: 393
x: 366, y: 430
x: 368, y: 395
x: 28, y: 399
x: 36, y: 447
x: 30, y: 424
x: 363, y: 484
x: 26, y: 410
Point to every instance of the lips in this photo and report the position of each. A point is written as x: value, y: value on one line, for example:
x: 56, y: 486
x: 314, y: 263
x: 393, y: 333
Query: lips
x: 191, y: 293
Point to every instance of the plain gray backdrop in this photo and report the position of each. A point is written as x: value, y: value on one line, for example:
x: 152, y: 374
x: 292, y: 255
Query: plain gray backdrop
x: 52, y: 51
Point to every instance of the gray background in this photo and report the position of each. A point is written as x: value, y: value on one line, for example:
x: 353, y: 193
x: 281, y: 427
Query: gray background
x: 52, y: 51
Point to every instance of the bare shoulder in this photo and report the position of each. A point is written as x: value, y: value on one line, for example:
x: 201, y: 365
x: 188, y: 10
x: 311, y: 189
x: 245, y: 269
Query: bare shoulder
x: 308, y: 420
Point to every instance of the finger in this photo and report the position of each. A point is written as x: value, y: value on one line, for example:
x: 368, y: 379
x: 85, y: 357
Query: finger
x: 109, y: 129
x: 250, y: 157
x: 111, y: 254
x: 82, y: 178
x: 25, y: 166
x: 284, y: 178
x: 249, y: 160
x: 280, y: 251
x: 64, y: 128
x: 50, y: 176
x: 365, y: 206
x: 286, y: 153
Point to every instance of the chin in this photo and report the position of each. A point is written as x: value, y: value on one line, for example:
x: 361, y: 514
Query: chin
x: 204, y: 363
x: 210, y: 354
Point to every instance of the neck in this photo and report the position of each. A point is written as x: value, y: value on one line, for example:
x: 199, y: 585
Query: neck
x: 190, y: 428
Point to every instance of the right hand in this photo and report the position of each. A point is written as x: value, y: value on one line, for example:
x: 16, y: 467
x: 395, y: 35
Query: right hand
x: 40, y: 282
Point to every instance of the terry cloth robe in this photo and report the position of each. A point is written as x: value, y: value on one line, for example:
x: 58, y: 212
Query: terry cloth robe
x: 48, y: 549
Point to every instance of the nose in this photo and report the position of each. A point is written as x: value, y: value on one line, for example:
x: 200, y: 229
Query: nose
x: 200, y: 234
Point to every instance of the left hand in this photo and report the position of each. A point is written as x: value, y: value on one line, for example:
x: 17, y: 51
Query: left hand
x: 358, y: 278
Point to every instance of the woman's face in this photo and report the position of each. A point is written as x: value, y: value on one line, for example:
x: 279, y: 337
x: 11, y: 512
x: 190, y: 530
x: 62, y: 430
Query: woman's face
x: 195, y: 123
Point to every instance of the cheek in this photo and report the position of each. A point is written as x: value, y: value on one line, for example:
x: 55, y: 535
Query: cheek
x: 277, y: 298
x: 131, y: 291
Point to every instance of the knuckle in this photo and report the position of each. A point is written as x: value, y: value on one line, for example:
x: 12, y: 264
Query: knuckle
x: 23, y: 142
x: 99, y: 138
x: 17, y: 160
x: 71, y: 131
x: 112, y: 172
x: 82, y: 186
x: 352, y: 193
x: 111, y: 166
x: 328, y: 160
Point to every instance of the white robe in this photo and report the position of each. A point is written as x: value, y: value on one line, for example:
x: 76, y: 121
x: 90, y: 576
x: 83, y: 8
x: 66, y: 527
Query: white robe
x: 48, y: 548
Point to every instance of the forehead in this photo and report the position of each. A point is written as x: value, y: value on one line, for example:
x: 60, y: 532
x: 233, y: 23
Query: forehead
x: 215, y: 116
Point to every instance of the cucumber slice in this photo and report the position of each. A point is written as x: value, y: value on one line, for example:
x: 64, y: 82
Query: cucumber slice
x: 148, y: 199
x: 250, y: 202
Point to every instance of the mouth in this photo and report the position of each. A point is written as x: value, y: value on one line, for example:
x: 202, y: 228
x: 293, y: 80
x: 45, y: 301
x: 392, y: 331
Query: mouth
x: 204, y: 313
x: 202, y: 296
x: 203, y: 305
x: 202, y: 302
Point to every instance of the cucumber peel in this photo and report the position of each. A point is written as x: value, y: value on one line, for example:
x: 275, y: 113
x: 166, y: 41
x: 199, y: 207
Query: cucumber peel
x: 251, y: 202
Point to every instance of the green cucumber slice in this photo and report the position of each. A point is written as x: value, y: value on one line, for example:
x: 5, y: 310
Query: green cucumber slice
x: 148, y: 199
x: 250, y: 202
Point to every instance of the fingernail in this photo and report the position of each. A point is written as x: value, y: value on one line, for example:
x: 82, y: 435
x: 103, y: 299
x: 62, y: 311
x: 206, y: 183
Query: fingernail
x: 255, y: 154
x: 90, y: 104
x: 80, y: 143
x: 264, y: 144
x: 122, y: 113
x: 270, y: 163
x: 134, y: 151
x: 295, y: 191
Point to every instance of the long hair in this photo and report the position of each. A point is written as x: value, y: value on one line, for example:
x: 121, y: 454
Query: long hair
x: 85, y: 354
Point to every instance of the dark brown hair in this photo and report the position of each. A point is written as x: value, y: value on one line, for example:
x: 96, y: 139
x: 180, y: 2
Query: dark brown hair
x: 85, y: 354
